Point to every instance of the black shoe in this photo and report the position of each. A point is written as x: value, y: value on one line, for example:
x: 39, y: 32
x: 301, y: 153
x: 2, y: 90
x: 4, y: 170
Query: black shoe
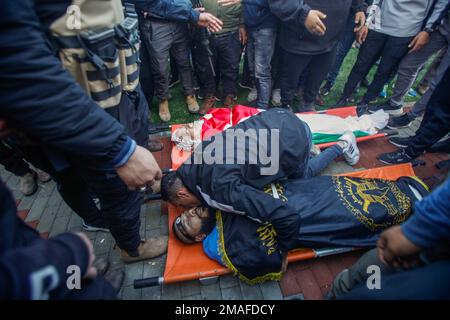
x: 173, y: 81
x: 402, y: 121
x: 325, y: 90
x: 115, y: 276
x: 388, y: 108
x: 396, y: 157
x: 308, y: 107
x: 246, y: 85
x: 442, y: 146
x: 400, y: 142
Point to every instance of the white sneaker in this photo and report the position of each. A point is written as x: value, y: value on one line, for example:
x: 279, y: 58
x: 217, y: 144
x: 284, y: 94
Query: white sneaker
x: 351, y: 151
x: 252, y: 95
x: 276, y: 97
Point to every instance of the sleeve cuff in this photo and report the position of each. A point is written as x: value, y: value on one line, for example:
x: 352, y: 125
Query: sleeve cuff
x: 417, y: 230
x: 125, y: 153
x: 195, y: 15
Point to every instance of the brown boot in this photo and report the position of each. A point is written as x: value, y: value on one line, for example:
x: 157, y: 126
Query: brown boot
x: 28, y: 185
x: 192, y: 104
x: 164, y: 112
x: 148, y: 249
x: 229, y: 101
x: 207, y: 104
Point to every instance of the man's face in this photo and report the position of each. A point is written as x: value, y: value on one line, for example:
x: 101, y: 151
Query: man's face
x: 190, y: 223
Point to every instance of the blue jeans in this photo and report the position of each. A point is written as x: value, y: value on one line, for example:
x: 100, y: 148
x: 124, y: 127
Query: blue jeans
x: 261, y: 46
x: 312, y: 166
x: 343, y: 47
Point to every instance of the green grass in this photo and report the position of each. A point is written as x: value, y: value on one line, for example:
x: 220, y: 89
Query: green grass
x: 179, y: 112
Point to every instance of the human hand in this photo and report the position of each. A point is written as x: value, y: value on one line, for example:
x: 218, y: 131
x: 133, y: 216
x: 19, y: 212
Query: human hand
x: 361, y: 35
x: 395, y: 250
x: 360, y: 20
x: 243, y: 35
x: 419, y: 41
x: 140, y: 170
x: 314, y: 24
x: 91, y: 271
x: 227, y: 3
x: 207, y: 20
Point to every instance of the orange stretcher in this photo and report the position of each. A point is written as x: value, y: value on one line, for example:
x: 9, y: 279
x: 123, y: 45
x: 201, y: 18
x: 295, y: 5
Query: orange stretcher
x: 179, y: 156
x: 188, y: 262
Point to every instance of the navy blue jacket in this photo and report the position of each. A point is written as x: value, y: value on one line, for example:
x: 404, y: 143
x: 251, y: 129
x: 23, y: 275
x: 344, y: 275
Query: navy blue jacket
x: 257, y: 15
x: 31, y: 267
x: 430, y: 225
x: 295, y: 38
x: 176, y: 10
x: 40, y: 98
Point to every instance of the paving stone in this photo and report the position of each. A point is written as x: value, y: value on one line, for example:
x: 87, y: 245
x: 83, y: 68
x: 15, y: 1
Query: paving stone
x: 211, y: 292
x: 38, y: 206
x: 27, y: 201
x: 232, y: 293
x: 190, y: 288
x: 151, y: 293
x: 153, y: 216
x: 75, y: 222
x: 55, y: 198
x: 271, y: 290
x: 59, y: 226
x: 171, y: 292
x: 251, y: 292
x: 227, y: 281
x: 103, y: 242
x: 129, y: 293
x: 194, y: 297
x: 337, y: 167
x: 154, y: 267
x: 47, y: 219
x: 133, y: 271
x: 64, y: 210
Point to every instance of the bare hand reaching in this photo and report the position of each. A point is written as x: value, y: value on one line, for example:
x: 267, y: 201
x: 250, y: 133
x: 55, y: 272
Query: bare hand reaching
x: 140, y: 170
x: 360, y: 20
x: 314, y: 22
x: 207, y: 20
x: 419, y: 41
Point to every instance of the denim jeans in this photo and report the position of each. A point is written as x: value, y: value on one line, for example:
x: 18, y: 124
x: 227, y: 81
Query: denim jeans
x: 343, y: 47
x: 261, y: 46
x: 312, y: 166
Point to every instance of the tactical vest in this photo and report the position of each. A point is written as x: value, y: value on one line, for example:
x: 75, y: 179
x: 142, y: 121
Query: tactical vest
x: 98, y: 43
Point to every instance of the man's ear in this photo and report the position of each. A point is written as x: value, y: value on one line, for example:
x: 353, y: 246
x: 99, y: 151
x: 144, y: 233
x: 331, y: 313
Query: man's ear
x: 200, y: 237
x: 183, y: 193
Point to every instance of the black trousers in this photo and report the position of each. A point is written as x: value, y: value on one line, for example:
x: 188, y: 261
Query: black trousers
x: 390, y: 49
x: 436, y: 120
x: 13, y: 161
x: 226, y: 50
x: 145, y: 72
x: 293, y: 66
x: 78, y: 179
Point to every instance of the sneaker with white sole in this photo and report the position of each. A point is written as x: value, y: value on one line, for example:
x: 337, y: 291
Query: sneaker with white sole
x: 351, y: 151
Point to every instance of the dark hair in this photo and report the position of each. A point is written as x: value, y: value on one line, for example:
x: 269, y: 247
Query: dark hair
x: 171, y: 183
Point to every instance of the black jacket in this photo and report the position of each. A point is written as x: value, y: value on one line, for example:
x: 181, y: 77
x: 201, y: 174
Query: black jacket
x: 31, y: 267
x: 237, y: 187
x: 40, y: 98
x: 295, y: 38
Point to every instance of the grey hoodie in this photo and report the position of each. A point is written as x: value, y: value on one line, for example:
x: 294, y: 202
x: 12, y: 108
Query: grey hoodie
x: 406, y: 18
